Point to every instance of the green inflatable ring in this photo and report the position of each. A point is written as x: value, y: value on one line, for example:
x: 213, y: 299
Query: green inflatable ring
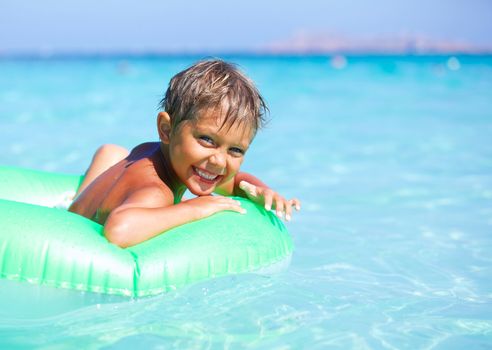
x: 49, y: 246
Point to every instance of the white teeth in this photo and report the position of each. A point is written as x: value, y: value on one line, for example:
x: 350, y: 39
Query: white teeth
x: 206, y: 175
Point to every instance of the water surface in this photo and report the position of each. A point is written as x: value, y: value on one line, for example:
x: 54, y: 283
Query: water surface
x: 391, y: 156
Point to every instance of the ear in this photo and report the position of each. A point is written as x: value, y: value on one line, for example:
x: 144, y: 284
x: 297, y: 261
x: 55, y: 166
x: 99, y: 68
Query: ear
x: 164, y: 126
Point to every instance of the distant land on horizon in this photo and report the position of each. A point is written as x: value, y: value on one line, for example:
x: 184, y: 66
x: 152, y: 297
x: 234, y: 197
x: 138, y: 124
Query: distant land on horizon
x: 301, y: 43
x: 325, y: 43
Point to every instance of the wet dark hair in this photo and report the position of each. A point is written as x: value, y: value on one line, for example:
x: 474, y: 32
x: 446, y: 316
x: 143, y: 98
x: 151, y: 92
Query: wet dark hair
x: 217, y: 86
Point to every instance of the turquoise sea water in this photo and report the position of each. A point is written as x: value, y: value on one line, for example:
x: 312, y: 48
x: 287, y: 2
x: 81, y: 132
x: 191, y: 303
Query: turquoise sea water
x: 391, y: 156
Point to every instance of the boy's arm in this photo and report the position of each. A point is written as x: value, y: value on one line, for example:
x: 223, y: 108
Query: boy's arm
x: 147, y: 213
x: 248, y: 186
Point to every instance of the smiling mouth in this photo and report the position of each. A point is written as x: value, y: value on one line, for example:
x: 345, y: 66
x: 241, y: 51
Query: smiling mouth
x: 206, y: 176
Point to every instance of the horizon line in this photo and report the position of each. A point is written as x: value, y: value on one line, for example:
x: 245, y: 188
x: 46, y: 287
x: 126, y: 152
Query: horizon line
x: 40, y: 54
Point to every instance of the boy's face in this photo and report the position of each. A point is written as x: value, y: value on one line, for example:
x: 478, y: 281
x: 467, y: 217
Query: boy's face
x: 204, y: 155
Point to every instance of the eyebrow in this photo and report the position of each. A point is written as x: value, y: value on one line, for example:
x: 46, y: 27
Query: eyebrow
x: 213, y: 132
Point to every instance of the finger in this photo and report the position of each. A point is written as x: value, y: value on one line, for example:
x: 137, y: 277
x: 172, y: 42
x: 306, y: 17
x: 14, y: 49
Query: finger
x: 232, y: 204
x: 288, y: 211
x: 279, y: 207
x: 236, y: 207
x: 296, y: 203
x: 268, y: 198
x: 250, y: 189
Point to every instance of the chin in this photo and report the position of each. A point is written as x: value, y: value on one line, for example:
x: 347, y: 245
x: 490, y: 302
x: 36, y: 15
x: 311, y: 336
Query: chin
x: 200, y: 192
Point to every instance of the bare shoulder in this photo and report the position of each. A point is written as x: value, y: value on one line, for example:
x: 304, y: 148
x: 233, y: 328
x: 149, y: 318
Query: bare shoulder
x: 145, y: 185
x: 144, y: 188
x: 150, y: 196
x: 143, y: 150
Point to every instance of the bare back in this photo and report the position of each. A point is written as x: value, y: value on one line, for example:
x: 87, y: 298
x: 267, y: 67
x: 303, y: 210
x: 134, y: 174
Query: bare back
x: 143, y: 168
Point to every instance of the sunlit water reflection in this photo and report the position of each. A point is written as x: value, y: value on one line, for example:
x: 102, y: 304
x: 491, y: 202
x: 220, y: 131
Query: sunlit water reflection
x: 391, y: 156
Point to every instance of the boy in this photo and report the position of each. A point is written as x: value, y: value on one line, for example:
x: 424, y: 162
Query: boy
x: 211, y: 114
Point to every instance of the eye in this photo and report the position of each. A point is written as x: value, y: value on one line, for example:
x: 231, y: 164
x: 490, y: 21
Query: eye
x: 237, y: 152
x: 206, y: 140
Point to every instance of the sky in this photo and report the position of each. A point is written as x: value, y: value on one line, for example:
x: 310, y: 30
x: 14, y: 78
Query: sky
x: 228, y: 26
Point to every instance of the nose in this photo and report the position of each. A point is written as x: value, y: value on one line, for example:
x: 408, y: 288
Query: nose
x: 218, y: 161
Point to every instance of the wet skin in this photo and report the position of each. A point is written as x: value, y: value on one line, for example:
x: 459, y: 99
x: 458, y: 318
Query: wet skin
x: 139, y: 197
x: 145, y: 166
x: 199, y: 155
x: 206, y: 154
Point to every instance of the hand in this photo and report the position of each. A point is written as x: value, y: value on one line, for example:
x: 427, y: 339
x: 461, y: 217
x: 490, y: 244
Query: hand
x: 205, y: 206
x: 268, y: 197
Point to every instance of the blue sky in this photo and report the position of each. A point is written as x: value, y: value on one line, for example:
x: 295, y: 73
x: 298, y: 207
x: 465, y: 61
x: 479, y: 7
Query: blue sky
x: 219, y: 25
